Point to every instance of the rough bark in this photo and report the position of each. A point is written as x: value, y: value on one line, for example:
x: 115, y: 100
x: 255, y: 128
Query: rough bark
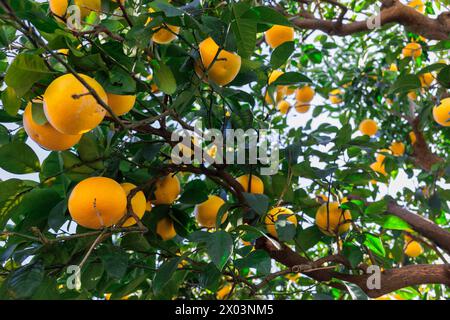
x: 393, y: 12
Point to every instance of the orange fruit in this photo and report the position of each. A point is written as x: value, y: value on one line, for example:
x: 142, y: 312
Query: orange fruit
x: 335, y: 96
x: 278, y: 35
x: 45, y: 135
x: 273, y: 215
x: 332, y: 220
x: 441, y: 113
x: 70, y: 108
x: 224, y: 68
x: 304, y: 94
x: 397, y: 148
x: 368, y: 127
x: 379, y: 167
x: 283, y: 106
x: 59, y: 7
x: 120, y: 104
x: 165, y: 229
x: 162, y: 35
x: 97, y: 202
x: 381, y: 155
x: 302, y: 107
x: 167, y: 190
x: 257, y: 185
x: 86, y: 6
x: 412, y: 49
x: 426, y: 79
x: 206, y: 212
x: 138, y: 203
x: 224, y: 291
x: 412, y: 137
x: 413, y: 249
x: 418, y: 5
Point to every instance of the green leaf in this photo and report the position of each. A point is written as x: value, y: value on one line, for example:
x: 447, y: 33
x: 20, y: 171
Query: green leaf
x: 25, y: 70
x: 5, y: 137
x: 165, y: 79
x: 308, y: 238
x: 355, y: 292
x: 115, y: 263
x: 258, y: 202
x: 444, y: 77
x: 258, y: 259
x: 195, y: 192
x: 18, y: 158
x: 405, y: 83
x: 353, y: 254
x: 165, y: 273
x: 91, y: 275
x: 219, y: 248
x: 281, y: 54
x: 11, y: 103
x: 285, y: 229
x: 291, y: 78
x: 377, y: 207
x: 395, y: 223
x: 245, y: 32
x: 11, y: 193
x: 374, y: 243
x: 268, y: 15
x: 23, y: 282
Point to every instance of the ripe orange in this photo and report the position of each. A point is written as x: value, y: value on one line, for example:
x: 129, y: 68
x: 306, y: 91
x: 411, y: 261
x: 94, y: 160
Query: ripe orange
x: 332, y: 220
x: 368, y: 127
x: 335, y: 96
x: 121, y: 104
x: 412, y: 137
x: 45, y: 135
x: 165, y: 229
x: 97, y: 202
x: 273, y: 215
x: 167, y: 190
x: 413, y: 249
x: 418, y: 5
x: 224, y: 291
x: 70, y: 108
x: 206, y: 212
x: 381, y: 155
x: 304, y: 94
x: 278, y: 35
x: 162, y: 35
x: 59, y: 7
x: 257, y: 185
x: 441, y: 113
x: 302, y: 107
x: 426, y: 79
x: 379, y: 167
x: 283, y: 106
x: 412, y: 49
x: 223, y: 69
x: 138, y: 203
x: 397, y: 148
x: 86, y: 6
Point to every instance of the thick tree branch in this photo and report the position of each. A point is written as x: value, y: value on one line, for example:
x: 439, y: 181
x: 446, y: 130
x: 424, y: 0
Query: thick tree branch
x: 392, y: 12
x: 391, y: 280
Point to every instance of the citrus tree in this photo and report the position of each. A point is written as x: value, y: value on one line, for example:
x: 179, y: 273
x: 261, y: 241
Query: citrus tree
x: 94, y: 91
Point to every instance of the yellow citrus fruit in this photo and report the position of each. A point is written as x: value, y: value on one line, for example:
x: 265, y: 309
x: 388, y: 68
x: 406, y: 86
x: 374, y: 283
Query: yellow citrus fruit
x: 164, y: 36
x: 278, y: 35
x: 441, y: 113
x: 335, y: 96
x: 138, y: 203
x: 224, y: 69
x: 304, y: 94
x: 97, y: 202
x: 58, y: 7
x: 332, y: 220
x: 45, y: 135
x: 257, y: 185
x: 412, y: 137
x: 283, y: 106
x: 426, y: 79
x: 381, y: 155
x: 397, y: 148
x: 70, y: 108
x: 224, y: 291
x: 86, y: 6
x: 393, y: 67
x: 293, y: 277
x: 418, y: 5
x: 302, y: 107
x: 280, y: 95
x: 121, y: 104
x: 273, y: 215
x: 412, y: 49
x: 413, y: 249
x: 167, y: 190
x: 379, y: 167
x: 165, y: 229
x: 412, y: 95
x: 290, y: 90
x: 148, y: 206
x: 206, y: 212
x: 368, y: 127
